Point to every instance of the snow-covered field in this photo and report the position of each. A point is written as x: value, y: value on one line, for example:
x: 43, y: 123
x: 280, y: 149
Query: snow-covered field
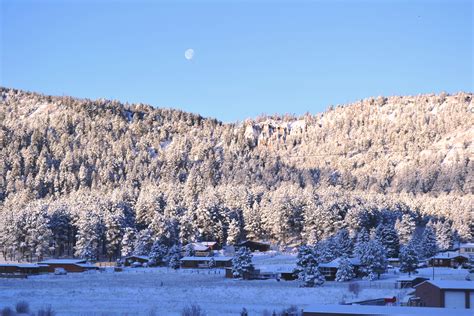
x: 164, y: 291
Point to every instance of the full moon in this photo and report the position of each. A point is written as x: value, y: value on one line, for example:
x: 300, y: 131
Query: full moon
x: 189, y: 54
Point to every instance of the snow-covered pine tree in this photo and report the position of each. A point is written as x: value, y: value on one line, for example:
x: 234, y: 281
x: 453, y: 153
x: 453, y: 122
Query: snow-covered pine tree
x: 444, y: 235
x: 143, y: 243
x: 212, y: 263
x: 428, y: 243
x: 345, y: 272
x: 242, y: 262
x: 306, y: 257
x: 373, y: 259
x: 327, y: 250
x: 388, y: 237
x: 174, y: 256
x: 311, y: 276
x: 128, y: 242
x: 189, y: 250
x: 158, y: 253
x: 361, y: 242
x: 405, y: 228
x: 234, y: 232
x: 343, y: 243
x: 307, y: 267
x: 408, y: 259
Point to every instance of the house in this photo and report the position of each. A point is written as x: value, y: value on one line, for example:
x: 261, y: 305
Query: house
x: 254, y: 245
x: 142, y: 260
x: 21, y: 268
x: 329, y: 269
x: 196, y: 262
x: 70, y: 265
x: 444, y: 293
x: 467, y: 249
x: 359, y: 310
x: 451, y: 259
x: 406, y: 283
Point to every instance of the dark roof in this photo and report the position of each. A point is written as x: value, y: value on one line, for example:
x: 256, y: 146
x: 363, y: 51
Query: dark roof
x: 451, y: 284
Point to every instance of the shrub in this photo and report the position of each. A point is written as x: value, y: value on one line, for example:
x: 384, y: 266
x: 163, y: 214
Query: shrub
x: 354, y: 288
x: 22, y: 307
x: 47, y: 311
x: 193, y: 310
x: 7, y: 311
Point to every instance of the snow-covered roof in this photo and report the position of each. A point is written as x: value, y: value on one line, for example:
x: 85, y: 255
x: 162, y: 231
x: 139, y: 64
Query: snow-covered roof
x: 451, y: 284
x: 335, y: 263
x: 140, y: 257
x: 206, y: 258
x: 466, y: 244
x: 208, y: 243
x: 86, y: 265
x: 63, y: 261
x: 199, y: 246
x: 449, y: 255
x: 20, y: 265
x: 385, y: 310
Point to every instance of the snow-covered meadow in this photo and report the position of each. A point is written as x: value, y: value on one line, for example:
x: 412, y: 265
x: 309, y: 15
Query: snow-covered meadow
x: 163, y: 291
x: 142, y: 291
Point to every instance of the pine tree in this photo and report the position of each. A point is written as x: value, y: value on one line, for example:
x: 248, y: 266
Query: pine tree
x: 234, y: 232
x: 307, y: 267
x: 361, y: 242
x: 373, y: 259
x: 345, y: 272
x: 128, y: 242
x: 306, y: 257
x: 174, y: 256
x: 343, y: 243
x: 158, y: 253
x: 189, y: 250
x: 429, y: 243
x: 405, y: 228
x: 444, y: 235
x: 387, y: 235
x: 242, y: 262
x: 408, y: 259
x: 311, y: 276
x: 143, y: 243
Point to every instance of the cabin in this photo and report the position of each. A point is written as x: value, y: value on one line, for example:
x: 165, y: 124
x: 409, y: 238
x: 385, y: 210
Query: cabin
x: 131, y: 260
x: 365, y: 310
x: 196, y: 262
x: 406, y: 283
x: 21, y: 268
x: 70, y: 265
x: 254, y: 246
x: 329, y: 269
x: 449, y: 259
x: 447, y: 294
x: 467, y: 249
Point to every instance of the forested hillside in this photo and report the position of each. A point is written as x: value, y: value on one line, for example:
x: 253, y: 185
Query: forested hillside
x: 101, y: 178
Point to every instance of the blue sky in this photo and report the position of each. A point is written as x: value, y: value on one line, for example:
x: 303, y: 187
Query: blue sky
x: 251, y: 57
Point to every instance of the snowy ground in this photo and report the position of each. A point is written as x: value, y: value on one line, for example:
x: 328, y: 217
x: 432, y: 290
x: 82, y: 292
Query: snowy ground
x: 142, y: 290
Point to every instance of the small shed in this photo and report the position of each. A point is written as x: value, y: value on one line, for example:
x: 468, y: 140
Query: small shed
x: 132, y: 259
x: 444, y: 293
x: 70, y: 265
x: 254, y: 245
x: 452, y: 259
x: 203, y: 262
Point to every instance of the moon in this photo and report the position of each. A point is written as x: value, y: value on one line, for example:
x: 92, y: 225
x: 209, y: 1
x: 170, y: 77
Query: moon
x: 189, y: 54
